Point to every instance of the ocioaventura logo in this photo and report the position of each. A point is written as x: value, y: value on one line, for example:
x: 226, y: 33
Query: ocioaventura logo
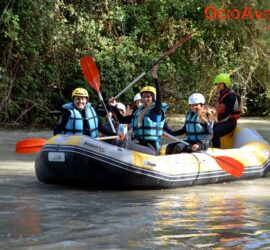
x: 246, y: 12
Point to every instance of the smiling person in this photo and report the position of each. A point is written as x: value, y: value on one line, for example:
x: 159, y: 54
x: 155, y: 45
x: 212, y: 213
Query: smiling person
x: 79, y: 117
x: 228, y: 106
x: 147, y: 121
x: 198, y: 127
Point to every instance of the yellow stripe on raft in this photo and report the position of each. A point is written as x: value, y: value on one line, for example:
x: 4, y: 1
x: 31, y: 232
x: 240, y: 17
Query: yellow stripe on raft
x: 169, y: 164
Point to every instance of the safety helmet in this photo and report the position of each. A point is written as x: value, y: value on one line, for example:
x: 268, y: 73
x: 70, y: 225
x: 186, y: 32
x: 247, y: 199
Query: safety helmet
x: 121, y: 106
x: 223, y: 78
x: 137, y: 97
x: 149, y: 89
x: 196, y: 98
x: 80, y: 92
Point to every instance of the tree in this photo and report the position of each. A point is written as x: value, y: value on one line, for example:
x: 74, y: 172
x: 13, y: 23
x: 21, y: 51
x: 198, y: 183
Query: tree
x: 42, y: 42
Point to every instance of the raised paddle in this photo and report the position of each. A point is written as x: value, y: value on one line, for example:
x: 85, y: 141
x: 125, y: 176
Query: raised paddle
x: 34, y: 145
x: 228, y: 164
x: 165, y: 55
x: 91, y: 75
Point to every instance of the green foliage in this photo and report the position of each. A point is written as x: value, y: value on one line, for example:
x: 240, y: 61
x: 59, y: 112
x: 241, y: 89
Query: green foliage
x: 42, y: 42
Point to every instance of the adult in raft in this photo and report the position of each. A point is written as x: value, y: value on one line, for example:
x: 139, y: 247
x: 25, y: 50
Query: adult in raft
x: 79, y: 117
x: 198, y: 127
x: 147, y: 121
x: 228, y: 106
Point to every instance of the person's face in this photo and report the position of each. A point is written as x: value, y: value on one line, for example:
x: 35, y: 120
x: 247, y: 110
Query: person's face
x: 195, y: 107
x: 80, y: 102
x: 220, y: 86
x: 138, y: 103
x: 147, y: 99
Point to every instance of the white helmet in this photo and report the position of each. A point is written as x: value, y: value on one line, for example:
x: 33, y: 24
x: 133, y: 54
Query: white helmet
x: 196, y: 98
x: 121, y: 106
x: 137, y: 97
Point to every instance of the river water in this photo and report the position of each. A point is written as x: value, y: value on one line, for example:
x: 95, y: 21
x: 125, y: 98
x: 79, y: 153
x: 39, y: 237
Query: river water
x: 34, y: 215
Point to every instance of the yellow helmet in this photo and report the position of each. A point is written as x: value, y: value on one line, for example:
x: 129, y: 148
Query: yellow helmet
x: 80, y: 92
x: 149, y: 89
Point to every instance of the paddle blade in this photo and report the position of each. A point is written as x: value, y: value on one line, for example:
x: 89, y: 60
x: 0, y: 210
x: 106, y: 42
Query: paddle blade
x: 90, y: 72
x: 230, y: 165
x: 28, y: 146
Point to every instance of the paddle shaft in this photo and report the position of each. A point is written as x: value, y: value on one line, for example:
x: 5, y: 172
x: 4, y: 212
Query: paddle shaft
x: 165, y: 55
x: 109, y: 119
x: 186, y: 143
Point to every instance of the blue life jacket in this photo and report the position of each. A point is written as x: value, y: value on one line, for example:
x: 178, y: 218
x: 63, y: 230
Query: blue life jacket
x: 75, y: 122
x: 195, y: 131
x: 149, y: 130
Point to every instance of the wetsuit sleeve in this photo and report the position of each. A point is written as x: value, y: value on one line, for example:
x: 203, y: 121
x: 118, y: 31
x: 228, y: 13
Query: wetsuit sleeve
x: 208, y: 129
x: 229, y: 102
x: 104, y: 130
x: 122, y: 119
x: 62, y: 123
x: 204, y: 144
x: 176, y: 132
x: 156, y: 114
x: 158, y: 108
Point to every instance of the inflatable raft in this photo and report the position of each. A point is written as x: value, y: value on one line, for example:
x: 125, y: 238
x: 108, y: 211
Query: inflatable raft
x: 97, y: 164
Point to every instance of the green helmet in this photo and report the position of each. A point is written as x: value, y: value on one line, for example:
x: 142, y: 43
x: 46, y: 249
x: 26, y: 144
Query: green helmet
x: 223, y: 78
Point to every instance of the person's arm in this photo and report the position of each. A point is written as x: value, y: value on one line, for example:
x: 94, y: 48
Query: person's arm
x: 229, y: 105
x: 203, y: 144
x: 156, y: 113
x: 122, y: 119
x: 62, y: 123
x: 176, y: 132
x: 209, y: 130
x: 158, y: 105
x: 104, y: 130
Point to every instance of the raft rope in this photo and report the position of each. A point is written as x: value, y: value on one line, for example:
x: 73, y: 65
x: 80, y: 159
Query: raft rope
x: 199, y: 166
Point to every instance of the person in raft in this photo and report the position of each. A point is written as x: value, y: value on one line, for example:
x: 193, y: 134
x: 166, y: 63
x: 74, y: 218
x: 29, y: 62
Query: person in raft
x: 137, y: 101
x: 228, y: 106
x: 147, y: 121
x: 119, y: 127
x: 79, y: 117
x: 198, y: 127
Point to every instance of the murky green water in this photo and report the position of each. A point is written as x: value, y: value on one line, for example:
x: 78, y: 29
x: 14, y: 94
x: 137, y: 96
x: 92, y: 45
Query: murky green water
x: 34, y: 215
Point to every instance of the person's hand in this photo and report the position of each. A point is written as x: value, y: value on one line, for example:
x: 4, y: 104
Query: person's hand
x: 195, y: 147
x: 112, y: 102
x: 121, y: 137
x: 128, y: 111
x: 164, y: 136
x: 109, y: 115
x: 154, y: 72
